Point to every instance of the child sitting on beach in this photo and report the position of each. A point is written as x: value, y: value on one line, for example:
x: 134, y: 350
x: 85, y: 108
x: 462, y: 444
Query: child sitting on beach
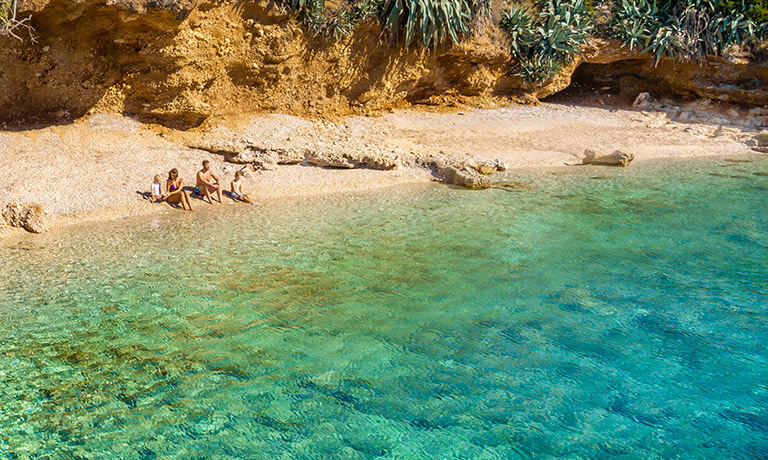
x: 236, y: 189
x: 156, y: 194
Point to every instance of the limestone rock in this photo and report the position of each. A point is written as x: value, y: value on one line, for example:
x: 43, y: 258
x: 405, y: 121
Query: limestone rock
x: 462, y: 176
x: 762, y: 138
x: 644, y: 100
x: 31, y: 216
x: 617, y: 158
x: 37, y: 219
x: 328, y: 160
x: 14, y: 214
x: 351, y: 160
x: 377, y: 161
x: 3, y: 226
x: 485, y: 167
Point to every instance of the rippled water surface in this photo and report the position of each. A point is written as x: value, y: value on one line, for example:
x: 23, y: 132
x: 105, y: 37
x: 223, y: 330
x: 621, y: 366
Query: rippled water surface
x: 586, y: 313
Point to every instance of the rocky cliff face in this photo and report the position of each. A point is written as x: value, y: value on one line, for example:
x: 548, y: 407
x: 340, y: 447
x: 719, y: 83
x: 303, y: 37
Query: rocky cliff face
x: 179, y: 62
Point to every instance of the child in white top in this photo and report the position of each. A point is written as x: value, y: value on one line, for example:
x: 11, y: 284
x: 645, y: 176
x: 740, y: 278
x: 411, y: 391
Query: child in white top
x: 236, y: 188
x: 157, y: 194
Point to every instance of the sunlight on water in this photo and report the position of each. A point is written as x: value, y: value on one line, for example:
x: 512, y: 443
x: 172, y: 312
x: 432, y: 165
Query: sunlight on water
x: 588, y: 313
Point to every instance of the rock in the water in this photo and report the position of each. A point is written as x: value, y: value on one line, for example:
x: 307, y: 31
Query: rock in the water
x: 512, y: 186
x: 37, y: 219
x: 14, y: 213
x: 462, y: 176
x: 762, y: 138
x: 617, y: 158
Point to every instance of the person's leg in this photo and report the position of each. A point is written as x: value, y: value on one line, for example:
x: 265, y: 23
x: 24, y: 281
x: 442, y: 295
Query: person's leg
x: 206, y: 193
x: 218, y: 192
x: 189, y: 202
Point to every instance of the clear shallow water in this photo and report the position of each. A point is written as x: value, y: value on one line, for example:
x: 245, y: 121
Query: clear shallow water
x: 598, y: 312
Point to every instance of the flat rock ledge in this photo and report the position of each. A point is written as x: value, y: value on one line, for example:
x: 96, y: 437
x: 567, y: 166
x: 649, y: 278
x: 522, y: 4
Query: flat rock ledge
x: 32, y: 217
x: 470, y: 173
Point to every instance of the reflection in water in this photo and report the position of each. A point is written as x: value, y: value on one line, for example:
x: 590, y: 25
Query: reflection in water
x: 574, y: 317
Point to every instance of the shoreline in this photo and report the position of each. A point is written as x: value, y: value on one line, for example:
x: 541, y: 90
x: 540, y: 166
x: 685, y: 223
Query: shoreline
x: 96, y: 168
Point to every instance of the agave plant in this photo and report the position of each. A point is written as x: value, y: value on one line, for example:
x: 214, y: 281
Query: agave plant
x: 426, y: 22
x: 538, y: 68
x: 683, y: 30
x: 543, y: 44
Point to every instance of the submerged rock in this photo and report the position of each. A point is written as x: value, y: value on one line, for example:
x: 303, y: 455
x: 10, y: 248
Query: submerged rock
x: 617, y: 158
x: 512, y: 186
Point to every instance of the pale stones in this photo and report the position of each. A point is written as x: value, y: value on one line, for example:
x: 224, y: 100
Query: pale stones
x: 37, y: 219
x: 14, y: 214
x: 30, y: 216
x: 617, y: 158
x: 329, y: 160
x: 644, y: 100
x: 462, y: 176
x: 264, y: 158
x: 351, y: 160
x: 762, y: 138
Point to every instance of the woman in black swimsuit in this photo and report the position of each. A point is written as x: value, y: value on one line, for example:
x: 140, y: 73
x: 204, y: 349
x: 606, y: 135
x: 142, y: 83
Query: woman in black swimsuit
x: 174, y: 190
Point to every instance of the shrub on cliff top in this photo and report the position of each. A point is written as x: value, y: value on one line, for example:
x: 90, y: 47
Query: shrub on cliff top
x: 543, y: 43
x: 9, y: 25
x: 681, y: 30
x: 429, y: 23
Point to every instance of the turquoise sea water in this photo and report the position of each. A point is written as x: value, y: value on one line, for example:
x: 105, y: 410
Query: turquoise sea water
x: 591, y: 313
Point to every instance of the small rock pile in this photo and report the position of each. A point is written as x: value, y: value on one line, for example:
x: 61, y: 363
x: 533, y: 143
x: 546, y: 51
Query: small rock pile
x: 470, y: 173
x: 32, y: 217
x: 617, y: 158
x: 757, y: 117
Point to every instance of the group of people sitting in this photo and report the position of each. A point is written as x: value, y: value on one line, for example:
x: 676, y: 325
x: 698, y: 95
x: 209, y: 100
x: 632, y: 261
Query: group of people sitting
x: 207, y: 183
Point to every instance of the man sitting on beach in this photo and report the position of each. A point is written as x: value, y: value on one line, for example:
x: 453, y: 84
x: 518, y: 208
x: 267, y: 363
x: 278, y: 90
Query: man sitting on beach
x: 207, y: 181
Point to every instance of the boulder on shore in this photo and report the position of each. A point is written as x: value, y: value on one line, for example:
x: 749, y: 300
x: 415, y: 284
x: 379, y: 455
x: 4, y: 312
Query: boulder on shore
x: 37, y: 219
x: 14, y: 213
x: 462, y: 176
x: 30, y: 216
x: 617, y: 158
x: 762, y: 138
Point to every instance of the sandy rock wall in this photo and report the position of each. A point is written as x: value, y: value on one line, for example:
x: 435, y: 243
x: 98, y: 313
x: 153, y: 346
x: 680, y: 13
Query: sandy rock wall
x: 177, y: 63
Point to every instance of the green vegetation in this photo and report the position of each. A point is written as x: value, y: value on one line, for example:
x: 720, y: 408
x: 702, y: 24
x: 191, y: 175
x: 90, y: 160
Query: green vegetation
x: 9, y: 25
x: 543, y: 43
x: 756, y: 10
x: 428, y: 23
x: 686, y: 30
x: 546, y: 37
